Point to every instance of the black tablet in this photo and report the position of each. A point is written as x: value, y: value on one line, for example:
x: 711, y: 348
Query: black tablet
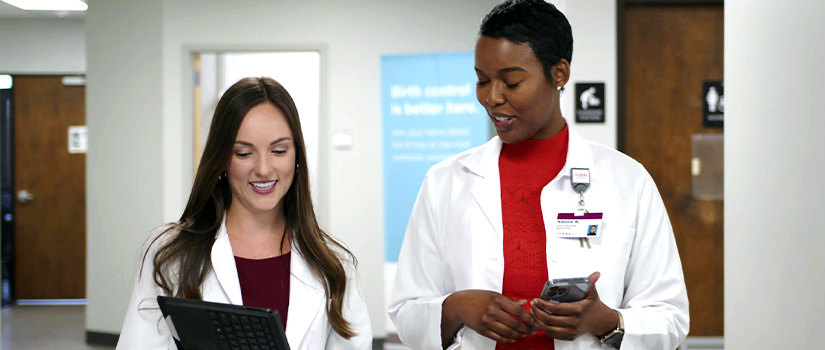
x: 203, y: 325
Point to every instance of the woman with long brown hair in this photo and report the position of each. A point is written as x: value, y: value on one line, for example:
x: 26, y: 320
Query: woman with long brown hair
x: 248, y: 234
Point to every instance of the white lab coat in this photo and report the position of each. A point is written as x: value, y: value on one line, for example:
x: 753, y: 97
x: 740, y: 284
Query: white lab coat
x: 454, y: 241
x: 307, y: 325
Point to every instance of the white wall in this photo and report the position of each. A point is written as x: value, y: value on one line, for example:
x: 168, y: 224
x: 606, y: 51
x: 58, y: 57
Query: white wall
x: 42, y: 46
x: 774, y: 192
x: 594, y: 60
x: 124, y: 168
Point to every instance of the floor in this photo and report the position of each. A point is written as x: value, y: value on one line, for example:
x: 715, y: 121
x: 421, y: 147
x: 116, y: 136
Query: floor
x: 45, y: 327
x: 60, y: 327
x: 63, y: 327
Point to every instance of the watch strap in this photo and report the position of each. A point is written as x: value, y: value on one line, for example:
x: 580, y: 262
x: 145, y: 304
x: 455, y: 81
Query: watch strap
x: 616, y: 334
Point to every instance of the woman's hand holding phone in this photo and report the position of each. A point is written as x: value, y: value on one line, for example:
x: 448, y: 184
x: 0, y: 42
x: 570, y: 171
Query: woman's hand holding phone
x: 568, y: 320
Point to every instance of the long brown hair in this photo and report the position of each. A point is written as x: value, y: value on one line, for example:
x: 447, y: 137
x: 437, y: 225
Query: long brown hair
x: 182, y: 261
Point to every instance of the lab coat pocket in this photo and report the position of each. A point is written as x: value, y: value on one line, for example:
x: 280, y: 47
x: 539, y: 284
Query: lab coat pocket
x: 574, y: 257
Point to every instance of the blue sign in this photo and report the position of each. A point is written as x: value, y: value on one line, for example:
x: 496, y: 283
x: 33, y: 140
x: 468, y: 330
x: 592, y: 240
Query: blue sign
x: 429, y: 112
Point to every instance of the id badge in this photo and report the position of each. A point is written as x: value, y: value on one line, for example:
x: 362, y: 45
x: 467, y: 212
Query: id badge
x: 573, y: 225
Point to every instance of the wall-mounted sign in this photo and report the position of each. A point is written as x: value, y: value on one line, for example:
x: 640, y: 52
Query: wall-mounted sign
x: 713, y: 95
x: 429, y: 112
x: 590, y: 102
x: 77, y: 139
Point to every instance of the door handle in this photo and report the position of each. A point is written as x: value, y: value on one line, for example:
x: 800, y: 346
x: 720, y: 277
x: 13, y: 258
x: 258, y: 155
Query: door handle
x: 24, y: 196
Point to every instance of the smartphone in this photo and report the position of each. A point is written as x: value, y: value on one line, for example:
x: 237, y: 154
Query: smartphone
x: 565, y: 290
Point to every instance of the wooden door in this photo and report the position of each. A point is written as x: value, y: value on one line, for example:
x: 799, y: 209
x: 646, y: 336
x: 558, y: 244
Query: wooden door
x: 50, y: 228
x: 669, y: 51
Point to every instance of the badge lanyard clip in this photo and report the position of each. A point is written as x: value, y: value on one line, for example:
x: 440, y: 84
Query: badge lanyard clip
x: 580, y: 181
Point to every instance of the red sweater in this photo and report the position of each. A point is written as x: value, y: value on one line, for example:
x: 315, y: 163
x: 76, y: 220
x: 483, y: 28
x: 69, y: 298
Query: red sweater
x: 525, y: 168
x: 265, y: 283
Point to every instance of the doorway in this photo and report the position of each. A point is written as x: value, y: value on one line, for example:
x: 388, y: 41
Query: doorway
x: 668, y: 51
x: 299, y: 71
x: 47, y: 118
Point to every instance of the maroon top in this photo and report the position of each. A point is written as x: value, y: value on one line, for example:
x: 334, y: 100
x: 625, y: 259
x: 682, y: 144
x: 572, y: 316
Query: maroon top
x: 265, y: 283
x: 525, y: 168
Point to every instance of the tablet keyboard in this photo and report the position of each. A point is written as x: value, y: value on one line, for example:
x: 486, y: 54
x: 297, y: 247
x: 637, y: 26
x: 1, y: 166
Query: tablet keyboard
x: 242, y: 332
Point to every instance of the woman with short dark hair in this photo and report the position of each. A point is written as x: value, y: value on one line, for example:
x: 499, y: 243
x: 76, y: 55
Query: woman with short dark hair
x: 491, y: 225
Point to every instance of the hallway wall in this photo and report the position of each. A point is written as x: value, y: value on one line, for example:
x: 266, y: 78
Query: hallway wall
x: 774, y: 193
x: 42, y: 45
x: 124, y: 164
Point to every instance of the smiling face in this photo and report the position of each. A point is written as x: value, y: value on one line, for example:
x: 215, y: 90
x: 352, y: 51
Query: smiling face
x: 512, y: 86
x: 262, y: 164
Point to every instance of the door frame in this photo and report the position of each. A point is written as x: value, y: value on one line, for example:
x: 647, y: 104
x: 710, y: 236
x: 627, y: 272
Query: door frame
x: 621, y: 6
x: 320, y: 193
x: 12, y: 167
x: 7, y: 192
x: 10, y: 227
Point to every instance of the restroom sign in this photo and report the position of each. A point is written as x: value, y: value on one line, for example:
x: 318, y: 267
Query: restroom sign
x: 713, y: 97
x: 590, y: 102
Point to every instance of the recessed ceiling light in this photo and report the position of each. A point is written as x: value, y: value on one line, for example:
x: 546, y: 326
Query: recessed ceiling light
x: 48, y: 5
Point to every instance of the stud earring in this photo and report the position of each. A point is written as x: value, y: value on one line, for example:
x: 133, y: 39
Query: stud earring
x: 560, y: 88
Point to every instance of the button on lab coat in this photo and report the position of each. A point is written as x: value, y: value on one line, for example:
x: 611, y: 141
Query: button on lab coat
x: 454, y: 241
x: 307, y: 322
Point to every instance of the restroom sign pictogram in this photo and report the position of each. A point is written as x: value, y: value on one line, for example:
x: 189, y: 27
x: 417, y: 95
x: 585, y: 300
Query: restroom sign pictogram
x: 590, y: 103
x: 713, y: 100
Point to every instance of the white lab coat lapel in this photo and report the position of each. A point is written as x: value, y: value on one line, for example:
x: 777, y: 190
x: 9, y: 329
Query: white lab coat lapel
x: 578, y: 155
x: 487, y: 192
x: 306, y: 299
x: 484, y: 163
x: 306, y: 293
x: 223, y: 263
x: 558, y: 196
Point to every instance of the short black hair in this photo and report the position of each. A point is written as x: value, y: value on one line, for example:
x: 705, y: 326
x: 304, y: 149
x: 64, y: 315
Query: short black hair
x: 535, y: 22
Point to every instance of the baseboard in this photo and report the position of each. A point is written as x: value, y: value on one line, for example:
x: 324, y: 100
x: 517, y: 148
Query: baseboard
x: 705, y: 343
x: 109, y: 339
x: 100, y: 338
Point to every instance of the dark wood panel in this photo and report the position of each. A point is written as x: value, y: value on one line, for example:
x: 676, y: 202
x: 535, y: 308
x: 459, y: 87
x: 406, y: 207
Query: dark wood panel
x: 669, y: 51
x: 50, y: 231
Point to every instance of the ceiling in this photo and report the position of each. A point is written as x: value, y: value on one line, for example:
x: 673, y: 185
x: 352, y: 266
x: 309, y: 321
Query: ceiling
x: 8, y: 11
